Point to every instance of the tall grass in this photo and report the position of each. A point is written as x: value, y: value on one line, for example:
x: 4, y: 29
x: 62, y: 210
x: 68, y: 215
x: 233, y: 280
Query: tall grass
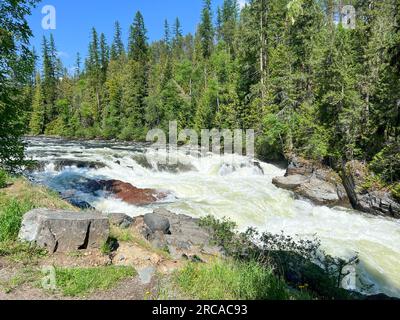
x: 231, y: 280
x: 11, y: 214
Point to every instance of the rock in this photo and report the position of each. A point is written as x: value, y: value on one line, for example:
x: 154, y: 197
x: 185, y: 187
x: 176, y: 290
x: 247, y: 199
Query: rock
x: 185, y: 236
x: 62, y: 164
x: 64, y: 231
x: 290, y: 182
x: 120, y: 220
x: 126, y: 192
x: 146, y: 274
x: 377, y: 202
x: 313, y: 181
x: 320, y: 192
x: 157, y: 222
x: 81, y: 204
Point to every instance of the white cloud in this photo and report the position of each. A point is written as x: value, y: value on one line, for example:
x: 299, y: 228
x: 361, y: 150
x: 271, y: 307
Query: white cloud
x: 242, y: 3
x: 62, y: 54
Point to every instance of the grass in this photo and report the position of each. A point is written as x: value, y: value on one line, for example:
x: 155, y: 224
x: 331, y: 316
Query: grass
x: 75, y: 282
x: 20, y: 198
x: 231, y: 280
x: 3, y: 179
x: 21, y: 252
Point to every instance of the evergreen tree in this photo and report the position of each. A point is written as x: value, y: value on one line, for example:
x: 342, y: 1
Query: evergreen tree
x: 137, y: 45
x: 38, y: 109
x: 206, y: 30
x: 117, y: 47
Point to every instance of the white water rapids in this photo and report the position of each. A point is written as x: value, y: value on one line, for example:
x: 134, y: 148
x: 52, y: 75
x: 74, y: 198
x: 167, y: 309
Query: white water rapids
x: 224, y: 187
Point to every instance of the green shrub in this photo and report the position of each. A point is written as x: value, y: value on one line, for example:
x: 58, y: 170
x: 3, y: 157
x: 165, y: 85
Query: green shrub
x: 387, y: 163
x: 299, y: 262
x: 3, y: 178
x: 11, y: 213
x: 230, y: 280
x: 396, y: 191
x: 82, y: 281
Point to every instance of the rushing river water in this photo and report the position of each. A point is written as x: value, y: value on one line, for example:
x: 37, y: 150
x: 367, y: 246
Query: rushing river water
x: 224, y: 187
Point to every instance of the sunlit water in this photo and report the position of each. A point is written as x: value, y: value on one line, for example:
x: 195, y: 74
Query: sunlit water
x: 225, y: 187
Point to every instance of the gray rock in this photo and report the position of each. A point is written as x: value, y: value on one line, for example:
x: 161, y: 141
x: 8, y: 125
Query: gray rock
x: 146, y: 274
x: 320, y: 192
x: 64, y: 231
x: 290, y: 182
x: 120, y: 220
x: 157, y: 222
x: 185, y: 235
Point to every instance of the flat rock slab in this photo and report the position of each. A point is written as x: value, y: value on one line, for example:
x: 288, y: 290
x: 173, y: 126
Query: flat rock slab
x: 65, y: 231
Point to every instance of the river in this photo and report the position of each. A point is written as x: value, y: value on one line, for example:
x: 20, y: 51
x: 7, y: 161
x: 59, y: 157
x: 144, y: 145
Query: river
x: 224, y: 186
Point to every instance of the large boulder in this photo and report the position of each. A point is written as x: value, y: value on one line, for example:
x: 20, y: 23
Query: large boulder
x: 157, y: 222
x: 313, y: 181
x: 127, y: 192
x: 183, y: 238
x: 64, y: 231
x: 290, y: 182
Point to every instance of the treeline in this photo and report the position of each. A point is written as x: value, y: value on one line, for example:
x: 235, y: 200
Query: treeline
x: 287, y: 68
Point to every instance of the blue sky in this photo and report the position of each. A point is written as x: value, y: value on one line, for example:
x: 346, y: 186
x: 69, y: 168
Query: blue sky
x: 75, y: 18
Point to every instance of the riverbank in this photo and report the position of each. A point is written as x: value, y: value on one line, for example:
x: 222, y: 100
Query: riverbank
x: 127, y: 266
x: 185, y: 258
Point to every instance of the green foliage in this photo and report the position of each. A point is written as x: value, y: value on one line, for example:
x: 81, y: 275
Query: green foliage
x: 229, y: 280
x: 223, y: 230
x: 396, y: 191
x: 11, y: 213
x: 16, y: 67
x: 387, y: 163
x: 3, y: 178
x: 300, y: 262
x: 75, y: 282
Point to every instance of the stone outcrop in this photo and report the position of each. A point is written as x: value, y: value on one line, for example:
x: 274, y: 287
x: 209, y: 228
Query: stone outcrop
x: 120, y: 220
x: 127, y: 192
x: 64, y: 231
x: 377, y: 202
x: 315, y: 182
x: 183, y: 238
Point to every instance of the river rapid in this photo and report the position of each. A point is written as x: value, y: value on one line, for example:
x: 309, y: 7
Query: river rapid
x: 224, y: 186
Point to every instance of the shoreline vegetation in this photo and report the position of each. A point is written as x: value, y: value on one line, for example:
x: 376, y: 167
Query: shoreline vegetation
x: 280, y: 268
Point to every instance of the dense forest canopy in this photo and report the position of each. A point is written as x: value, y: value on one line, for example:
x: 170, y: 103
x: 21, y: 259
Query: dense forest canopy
x: 289, y: 69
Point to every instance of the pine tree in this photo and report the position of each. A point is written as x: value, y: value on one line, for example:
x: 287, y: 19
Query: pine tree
x: 206, y: 30
x: 137, y: 45
x: 117, y: 47
x: 37, y: 121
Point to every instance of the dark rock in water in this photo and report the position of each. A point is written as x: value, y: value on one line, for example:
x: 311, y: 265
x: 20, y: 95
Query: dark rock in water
x: 157, y: 222
x: 258, y: 166
x: 62, y: 164
x: 377, y: 202
x: 126, y: 192
x: 81, y: 204
x: 120, y: 220
x: 64, y: 231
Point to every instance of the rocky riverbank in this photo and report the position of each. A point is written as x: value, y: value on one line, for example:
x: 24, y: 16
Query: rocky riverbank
x: 324, y: 186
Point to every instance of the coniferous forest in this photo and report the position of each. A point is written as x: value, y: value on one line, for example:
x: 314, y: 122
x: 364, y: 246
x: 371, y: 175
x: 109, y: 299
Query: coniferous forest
x: 287, y: 68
